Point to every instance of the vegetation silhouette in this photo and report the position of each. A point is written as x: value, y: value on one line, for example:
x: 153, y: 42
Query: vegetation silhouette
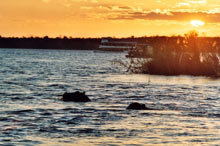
x: 50, y: 43
x: 188, y: 55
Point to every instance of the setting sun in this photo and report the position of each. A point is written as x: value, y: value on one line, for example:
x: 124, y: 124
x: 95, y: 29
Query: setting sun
x: 197, y: 23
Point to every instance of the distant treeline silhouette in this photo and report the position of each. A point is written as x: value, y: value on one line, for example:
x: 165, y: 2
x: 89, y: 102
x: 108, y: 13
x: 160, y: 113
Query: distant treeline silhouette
x: 65, y: 42
x: 50, y: 43
x: 62, y: 42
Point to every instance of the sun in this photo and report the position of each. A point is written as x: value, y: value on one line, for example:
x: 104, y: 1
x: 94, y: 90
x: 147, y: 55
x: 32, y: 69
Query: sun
x: 197, y: 23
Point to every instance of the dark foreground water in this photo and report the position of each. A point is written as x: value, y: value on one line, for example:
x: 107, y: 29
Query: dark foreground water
x: 187, y: 109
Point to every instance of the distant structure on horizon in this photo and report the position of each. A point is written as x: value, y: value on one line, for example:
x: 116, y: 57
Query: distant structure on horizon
x: 109, y: 44
x: 134, y: 49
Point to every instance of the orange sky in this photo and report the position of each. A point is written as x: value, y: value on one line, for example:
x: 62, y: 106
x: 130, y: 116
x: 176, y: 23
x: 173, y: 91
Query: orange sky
x: 98, y: 18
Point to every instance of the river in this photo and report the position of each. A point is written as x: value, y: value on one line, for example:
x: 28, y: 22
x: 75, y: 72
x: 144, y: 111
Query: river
x: 187, y: 109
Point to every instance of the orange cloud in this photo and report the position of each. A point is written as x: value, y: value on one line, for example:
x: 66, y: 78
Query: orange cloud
x: 178, y: 16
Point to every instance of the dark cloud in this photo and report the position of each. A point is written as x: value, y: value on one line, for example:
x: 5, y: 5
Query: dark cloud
x: 178, y: 16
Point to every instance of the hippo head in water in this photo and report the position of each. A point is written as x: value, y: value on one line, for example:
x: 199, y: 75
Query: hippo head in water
x: 75, y: 97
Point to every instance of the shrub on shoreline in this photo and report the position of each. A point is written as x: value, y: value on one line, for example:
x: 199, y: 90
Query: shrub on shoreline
x: 188, y: 55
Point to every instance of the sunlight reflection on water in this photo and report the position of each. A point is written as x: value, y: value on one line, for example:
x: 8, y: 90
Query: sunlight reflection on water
x: 154, y: 79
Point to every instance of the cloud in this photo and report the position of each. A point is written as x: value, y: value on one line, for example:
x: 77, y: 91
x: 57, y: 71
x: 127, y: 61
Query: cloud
x: 95, y: 9
x: 198, y: 1
x: 191, y: 2
x: 115, y: 12
x: 116, y: 8
x: 173, y: 15
x: 183, y: 4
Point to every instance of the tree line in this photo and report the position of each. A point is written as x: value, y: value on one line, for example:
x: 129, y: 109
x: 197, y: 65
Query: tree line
x: 49, y: 43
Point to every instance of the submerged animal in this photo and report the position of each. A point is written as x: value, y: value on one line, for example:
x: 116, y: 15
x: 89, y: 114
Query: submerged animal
x: 138, y: 106
x: 75, y: 97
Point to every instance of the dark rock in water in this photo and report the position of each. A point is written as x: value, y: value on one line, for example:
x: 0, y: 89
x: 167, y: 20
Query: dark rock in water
x: 75, y: 97
x: 138, y: 106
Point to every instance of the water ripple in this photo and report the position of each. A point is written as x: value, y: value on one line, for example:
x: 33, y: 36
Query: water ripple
x: 186, y: 109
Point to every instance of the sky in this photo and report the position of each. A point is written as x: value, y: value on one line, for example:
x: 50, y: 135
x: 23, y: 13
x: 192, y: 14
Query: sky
x: 108, y: 18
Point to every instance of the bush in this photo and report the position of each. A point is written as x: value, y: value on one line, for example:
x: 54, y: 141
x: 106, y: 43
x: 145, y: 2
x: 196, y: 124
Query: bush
x: 188, y: 55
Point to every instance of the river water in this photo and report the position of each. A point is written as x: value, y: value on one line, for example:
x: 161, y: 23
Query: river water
x: 187, y: 109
